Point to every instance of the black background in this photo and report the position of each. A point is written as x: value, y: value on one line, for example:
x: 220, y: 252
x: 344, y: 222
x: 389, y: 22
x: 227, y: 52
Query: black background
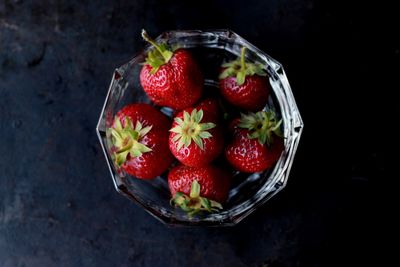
x: 58, y: 206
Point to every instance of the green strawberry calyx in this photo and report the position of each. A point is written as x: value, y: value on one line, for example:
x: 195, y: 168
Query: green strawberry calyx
x: 157, y: 56
x: 194, y: 203
x: 262, y: 125
x: 239, y: 68
x: 190, y: 128
x: 125, y: 140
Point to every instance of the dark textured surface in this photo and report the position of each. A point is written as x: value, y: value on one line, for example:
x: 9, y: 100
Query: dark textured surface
x: 58, y: 206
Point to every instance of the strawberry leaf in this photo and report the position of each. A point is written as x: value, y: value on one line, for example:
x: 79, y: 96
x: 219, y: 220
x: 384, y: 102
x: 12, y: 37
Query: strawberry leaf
x: 239, y: 69
x: 191, y: 128
x: 159, y: 55
x: 194, y: 203
x: 126, y: 140
x: 262, y: 125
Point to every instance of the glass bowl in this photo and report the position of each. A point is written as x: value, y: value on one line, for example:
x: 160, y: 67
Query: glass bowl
x: 248, y: 191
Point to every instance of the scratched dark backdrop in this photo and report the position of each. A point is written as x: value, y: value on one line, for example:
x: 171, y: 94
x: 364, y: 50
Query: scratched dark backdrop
x: 58, y: 206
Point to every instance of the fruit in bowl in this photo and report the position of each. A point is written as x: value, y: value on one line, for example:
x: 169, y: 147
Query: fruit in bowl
x: 244, y: 84
x: 196, y: 137
x: 170, y: 78
x: 200, y: 128
x: 139, y: 136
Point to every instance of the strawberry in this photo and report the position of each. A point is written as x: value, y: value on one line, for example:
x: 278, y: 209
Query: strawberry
x: 171, y: 79
x: 196, y: 189
x: 244, y: 84
x: 257, y: 142
x: 139, y: 138
x: 211, y: 108
x: 195, y: 139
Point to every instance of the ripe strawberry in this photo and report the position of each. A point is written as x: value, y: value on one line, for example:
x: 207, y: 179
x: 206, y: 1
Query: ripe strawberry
x: 195, y: 189
x: 244, y: 84
x: 195, y: 139
x: 171, y: 79
x: 211, y: 109
x: 257, y: 143
x: 139, y: 138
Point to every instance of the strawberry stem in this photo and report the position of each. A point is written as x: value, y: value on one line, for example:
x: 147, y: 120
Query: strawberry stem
x: 164, y: 53
x: 263, y: 125
x: 194, y: 203
x: 239, y: 68
x: 242, y: 58
x: 126, y: 139
x: 191, y: 128
x: 148, y: 39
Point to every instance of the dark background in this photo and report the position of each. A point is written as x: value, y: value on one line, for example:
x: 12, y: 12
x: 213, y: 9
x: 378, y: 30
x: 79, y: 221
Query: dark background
x: 58, y: 206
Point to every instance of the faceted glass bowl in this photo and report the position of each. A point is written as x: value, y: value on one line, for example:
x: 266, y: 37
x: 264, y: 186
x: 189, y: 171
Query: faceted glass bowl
x: 248, y: 191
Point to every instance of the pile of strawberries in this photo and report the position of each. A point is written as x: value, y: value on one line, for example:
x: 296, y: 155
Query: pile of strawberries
x: 146, y: 143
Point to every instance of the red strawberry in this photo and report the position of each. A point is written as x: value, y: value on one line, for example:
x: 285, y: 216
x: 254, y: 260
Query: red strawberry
x: 139, y: 137
x: 195, y: 189
x: 171, y: 79
x: 244, y: 84
x: 211, y: 108
x: 257, y: 143
x: 195, y: 139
